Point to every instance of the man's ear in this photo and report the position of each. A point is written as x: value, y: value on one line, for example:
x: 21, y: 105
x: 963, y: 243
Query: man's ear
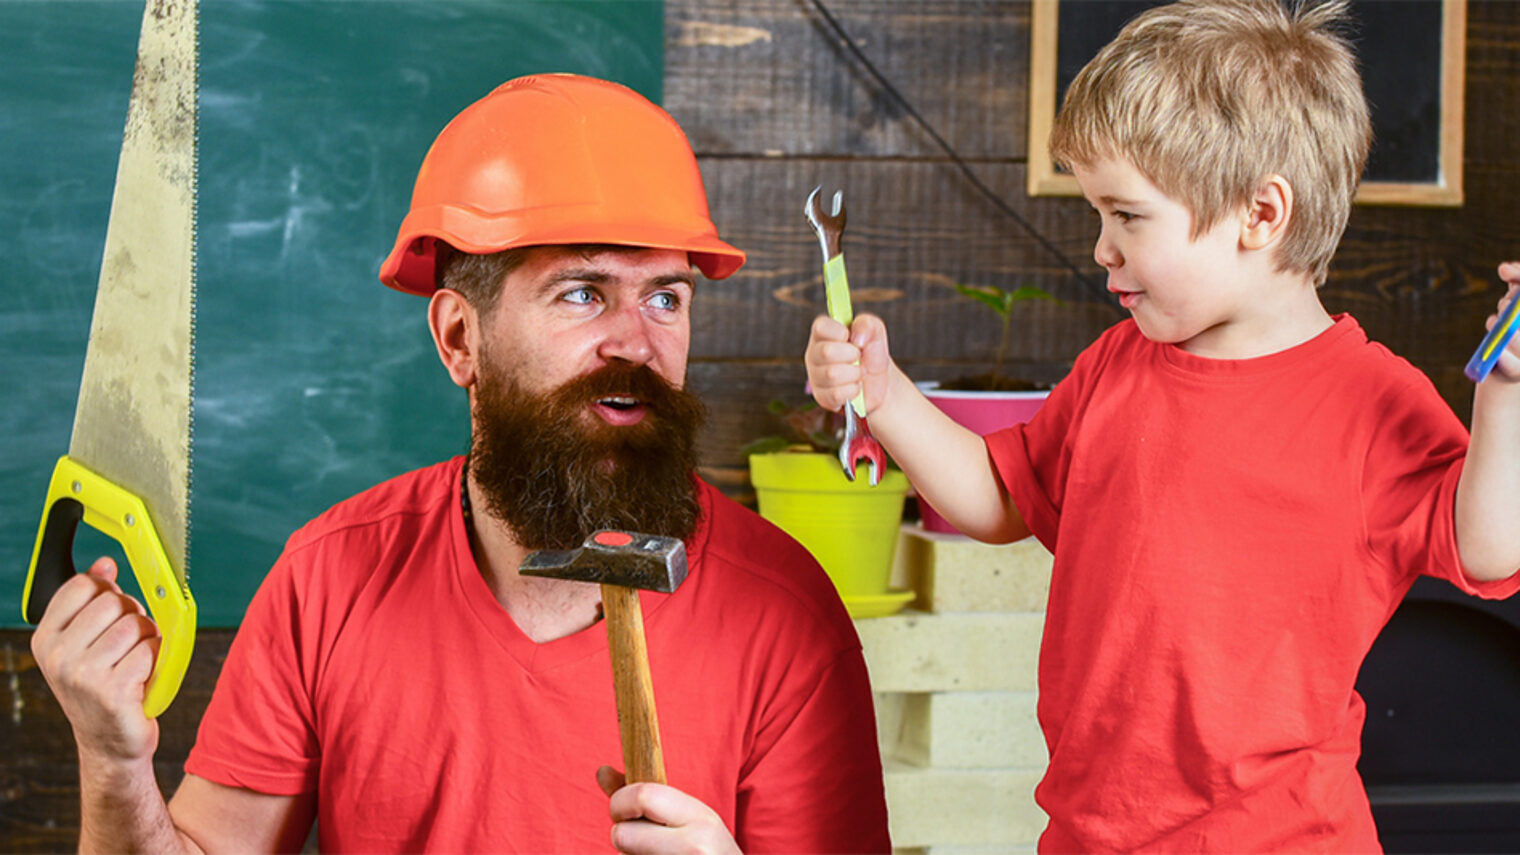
x: 1268, y: 212
x: 456, y: 333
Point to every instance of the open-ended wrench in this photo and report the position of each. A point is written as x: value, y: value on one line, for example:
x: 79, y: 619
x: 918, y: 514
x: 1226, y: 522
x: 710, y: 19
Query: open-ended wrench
x: 858, y: 442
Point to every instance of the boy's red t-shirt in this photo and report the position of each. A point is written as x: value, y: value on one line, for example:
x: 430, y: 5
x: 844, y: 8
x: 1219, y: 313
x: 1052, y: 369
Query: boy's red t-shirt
x: 376, y: 669
x: 1230, y: 536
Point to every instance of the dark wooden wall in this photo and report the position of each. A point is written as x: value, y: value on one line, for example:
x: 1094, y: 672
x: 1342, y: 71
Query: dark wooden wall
x: 774, y: 106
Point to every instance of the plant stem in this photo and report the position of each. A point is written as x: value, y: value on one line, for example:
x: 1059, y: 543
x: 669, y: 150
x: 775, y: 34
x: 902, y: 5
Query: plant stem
x: 997, y: 363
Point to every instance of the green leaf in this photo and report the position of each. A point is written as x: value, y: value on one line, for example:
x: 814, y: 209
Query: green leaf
x: 824, y: 440
x: 995, y: 299
x: 765, y: 445
x: 1030, y: 292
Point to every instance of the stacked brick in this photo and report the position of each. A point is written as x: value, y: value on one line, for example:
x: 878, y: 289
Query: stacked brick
x: 954, y: 677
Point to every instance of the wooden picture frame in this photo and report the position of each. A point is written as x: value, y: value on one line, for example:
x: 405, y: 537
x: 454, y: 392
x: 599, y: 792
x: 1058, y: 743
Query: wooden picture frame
x: 1438, y: 184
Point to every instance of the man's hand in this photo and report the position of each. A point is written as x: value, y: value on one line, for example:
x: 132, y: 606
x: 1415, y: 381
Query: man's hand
x: 653, y: 818
x: 96, y: 647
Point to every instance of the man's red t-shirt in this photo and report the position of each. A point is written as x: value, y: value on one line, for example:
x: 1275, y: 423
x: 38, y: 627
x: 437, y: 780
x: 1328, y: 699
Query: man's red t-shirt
x: 1230, y: 536
x: 375, y: 669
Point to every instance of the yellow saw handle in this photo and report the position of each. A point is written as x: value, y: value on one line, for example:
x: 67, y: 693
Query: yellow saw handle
x: 77, y: 493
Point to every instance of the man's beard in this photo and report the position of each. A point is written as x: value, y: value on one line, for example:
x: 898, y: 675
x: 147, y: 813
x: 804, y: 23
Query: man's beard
x: 555, y: 472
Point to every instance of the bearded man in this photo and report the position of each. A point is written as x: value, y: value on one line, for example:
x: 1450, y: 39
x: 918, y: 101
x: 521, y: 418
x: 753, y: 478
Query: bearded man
x: 395, y: 679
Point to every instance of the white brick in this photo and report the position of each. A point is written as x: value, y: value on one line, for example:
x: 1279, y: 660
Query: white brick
x: 889, y: 720
x: 973, y: 730
x: 1008, y: 849
x: 918, y: 652
x: 953, y: 573
x: 933, y: 807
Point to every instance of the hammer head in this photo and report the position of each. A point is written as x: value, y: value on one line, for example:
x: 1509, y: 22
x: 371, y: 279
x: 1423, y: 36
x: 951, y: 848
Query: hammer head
x: 620, y: 558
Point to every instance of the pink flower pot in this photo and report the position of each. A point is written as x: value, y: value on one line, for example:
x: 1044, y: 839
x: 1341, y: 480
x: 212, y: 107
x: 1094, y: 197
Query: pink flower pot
x: 983, y: 412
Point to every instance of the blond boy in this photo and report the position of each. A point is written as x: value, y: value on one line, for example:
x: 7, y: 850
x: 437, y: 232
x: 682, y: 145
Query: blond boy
x: 1237, y: 486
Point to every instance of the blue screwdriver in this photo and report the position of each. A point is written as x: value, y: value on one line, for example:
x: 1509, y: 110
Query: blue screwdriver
x: 1487, y: 354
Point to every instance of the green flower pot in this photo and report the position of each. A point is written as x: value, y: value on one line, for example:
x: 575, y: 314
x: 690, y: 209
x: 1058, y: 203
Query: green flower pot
x: 849, y: 526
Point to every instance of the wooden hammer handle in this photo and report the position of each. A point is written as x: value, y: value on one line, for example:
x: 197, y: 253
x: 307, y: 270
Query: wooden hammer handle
x: 643, y: 759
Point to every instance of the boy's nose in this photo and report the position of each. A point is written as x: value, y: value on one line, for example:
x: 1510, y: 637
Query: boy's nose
x: 1105, y: 253
x: 626, y: 337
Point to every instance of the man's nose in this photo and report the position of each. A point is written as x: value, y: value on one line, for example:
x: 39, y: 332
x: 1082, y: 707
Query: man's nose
x: 625, y: 336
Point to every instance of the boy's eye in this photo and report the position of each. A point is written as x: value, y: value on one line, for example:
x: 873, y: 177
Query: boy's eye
x: 1121, y: 216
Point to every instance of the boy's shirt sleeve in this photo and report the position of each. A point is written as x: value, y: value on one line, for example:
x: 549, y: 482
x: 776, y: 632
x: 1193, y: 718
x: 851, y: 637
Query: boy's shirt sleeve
x: 1414, y: 462
x: 1032, y: 460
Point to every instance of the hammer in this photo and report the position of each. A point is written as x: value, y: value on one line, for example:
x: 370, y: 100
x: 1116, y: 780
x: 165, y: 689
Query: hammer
x: 624, y: 562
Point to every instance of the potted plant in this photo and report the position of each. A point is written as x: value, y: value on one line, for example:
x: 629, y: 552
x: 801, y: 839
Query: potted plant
x: 849, y: 526
x: 993, y: 400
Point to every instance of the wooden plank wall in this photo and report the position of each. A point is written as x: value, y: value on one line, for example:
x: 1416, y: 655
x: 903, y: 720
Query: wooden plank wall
x: 774, y: 106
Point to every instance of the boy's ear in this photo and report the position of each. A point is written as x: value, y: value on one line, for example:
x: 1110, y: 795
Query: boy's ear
x: 456, y: 333
x: 1267, y: 213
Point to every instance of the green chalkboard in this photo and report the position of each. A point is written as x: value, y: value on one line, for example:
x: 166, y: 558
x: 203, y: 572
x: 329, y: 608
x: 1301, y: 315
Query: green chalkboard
x: 313, y: 381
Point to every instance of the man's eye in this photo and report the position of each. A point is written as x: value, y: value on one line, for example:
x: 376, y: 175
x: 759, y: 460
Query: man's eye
x: 665, y: 300
x: 581, y: 296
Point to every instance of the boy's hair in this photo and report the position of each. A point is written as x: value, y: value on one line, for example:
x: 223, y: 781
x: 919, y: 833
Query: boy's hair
x: 1207, y: 98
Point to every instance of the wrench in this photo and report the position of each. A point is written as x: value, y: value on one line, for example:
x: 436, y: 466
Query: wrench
x: 858, y: 442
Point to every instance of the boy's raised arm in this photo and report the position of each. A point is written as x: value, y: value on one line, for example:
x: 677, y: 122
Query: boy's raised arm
x: 1489, y: 491
x: 947, y: 463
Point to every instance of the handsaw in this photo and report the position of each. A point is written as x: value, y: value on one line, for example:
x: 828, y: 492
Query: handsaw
x: 127, y: 472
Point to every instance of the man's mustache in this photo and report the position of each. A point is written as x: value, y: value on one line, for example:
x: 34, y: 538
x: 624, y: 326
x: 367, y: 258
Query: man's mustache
x: 639, y: 382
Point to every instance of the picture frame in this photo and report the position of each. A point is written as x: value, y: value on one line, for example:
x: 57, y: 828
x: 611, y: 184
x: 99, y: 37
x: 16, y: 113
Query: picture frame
x: 1412, y: 55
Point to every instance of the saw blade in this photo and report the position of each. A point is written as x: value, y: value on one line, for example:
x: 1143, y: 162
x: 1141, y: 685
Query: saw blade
x: 133, y: 422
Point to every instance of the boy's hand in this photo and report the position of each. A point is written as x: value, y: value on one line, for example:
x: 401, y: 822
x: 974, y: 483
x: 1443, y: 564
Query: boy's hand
x: 1508, y: 365
x: 839, y: 361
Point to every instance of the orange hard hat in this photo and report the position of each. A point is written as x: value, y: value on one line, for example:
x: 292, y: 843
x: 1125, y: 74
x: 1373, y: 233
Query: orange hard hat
x: 557, y: 159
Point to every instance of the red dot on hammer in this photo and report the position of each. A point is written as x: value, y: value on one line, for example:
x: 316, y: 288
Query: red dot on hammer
x: 613, y: 538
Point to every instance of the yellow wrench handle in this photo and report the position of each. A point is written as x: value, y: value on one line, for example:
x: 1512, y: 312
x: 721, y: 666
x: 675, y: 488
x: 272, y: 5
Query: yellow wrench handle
x: 77, y: 493
x: 836, y: 288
